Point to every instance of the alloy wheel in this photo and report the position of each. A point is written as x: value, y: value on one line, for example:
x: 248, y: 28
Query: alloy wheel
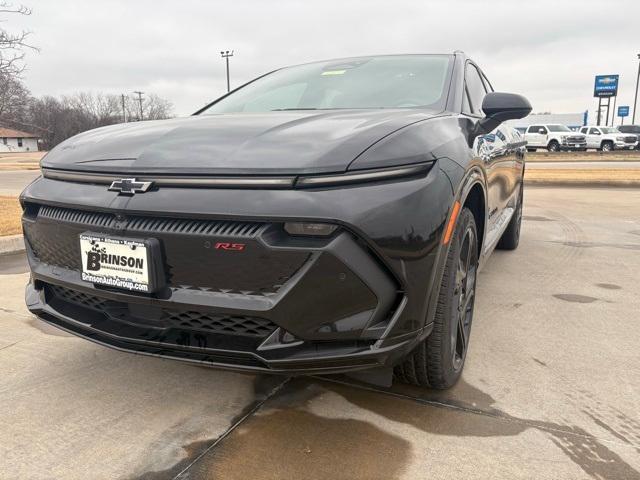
x: 464, y: 295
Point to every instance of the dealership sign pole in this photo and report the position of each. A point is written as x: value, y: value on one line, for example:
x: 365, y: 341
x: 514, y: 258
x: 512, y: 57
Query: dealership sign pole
x: 623, y: 111
x: 606, y: 86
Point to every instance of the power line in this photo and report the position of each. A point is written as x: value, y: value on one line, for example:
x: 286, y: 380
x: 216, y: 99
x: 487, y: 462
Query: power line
x: 124, y: 110
x: 140, y: 102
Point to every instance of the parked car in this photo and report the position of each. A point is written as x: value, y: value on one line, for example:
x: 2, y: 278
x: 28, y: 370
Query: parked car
x: 326, y: 217
x: 554, y: 138
x: 634, y: 129
x: 608, y: 138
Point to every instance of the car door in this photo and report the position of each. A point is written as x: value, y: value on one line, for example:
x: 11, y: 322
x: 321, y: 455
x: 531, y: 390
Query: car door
x: 593, y: 137
x: 538, y: 135
x: 531, y: 136
x: 493, y: 150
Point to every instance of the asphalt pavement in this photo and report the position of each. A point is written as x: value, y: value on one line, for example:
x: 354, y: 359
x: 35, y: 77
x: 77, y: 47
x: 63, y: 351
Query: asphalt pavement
x: 550, y: 390
x: 12, y: 182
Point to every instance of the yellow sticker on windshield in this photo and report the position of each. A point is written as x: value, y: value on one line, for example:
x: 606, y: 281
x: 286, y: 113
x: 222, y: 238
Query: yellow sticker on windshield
x: 333, y: 72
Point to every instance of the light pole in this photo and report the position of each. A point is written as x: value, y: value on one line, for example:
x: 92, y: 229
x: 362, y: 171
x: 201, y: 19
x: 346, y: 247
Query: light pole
x: 635, y: 99
x: 226, y: 54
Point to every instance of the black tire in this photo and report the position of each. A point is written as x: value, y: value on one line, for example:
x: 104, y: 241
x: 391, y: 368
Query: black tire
x: 511, y: 236
x: 607, y: 146
x: 438, y: 361
x: 553, y: 146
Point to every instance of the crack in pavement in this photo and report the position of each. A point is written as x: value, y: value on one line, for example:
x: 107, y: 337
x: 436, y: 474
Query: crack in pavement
x: 232, y: 427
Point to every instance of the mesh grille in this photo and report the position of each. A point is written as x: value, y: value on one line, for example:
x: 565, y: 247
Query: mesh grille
x: 235, y: 325
x: 173, y: 318
x: 259, y: 271
x: 59, y: 250
x: 79, y: 298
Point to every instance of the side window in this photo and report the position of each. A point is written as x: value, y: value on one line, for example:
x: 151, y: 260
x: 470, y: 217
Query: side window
x: 594, y: 131
x: 543, y: 130
x: 534, y: 129
x: 476, y: 89
x: 583, y: 130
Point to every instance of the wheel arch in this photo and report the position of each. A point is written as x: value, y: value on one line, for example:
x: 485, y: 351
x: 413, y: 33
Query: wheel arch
x: 476, y: 201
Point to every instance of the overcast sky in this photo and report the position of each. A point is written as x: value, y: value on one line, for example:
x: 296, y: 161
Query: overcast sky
x: 546, y: 50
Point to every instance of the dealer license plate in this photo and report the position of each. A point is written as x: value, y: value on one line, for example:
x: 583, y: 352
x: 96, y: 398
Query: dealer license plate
x: 115, y: 262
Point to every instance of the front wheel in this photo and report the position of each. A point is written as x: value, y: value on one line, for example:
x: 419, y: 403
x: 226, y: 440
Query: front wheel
x: 438, y: 360
x: 553, y: 146
x: 607, y: 147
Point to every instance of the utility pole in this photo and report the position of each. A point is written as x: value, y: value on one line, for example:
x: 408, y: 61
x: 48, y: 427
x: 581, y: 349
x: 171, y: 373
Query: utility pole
x: 124, y: 110
x: 140, y: 102
x: 635, y: 99
x: 226, y: 54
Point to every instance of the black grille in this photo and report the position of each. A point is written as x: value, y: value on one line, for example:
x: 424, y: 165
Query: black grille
x: 216, y: 323
x: 76, y: 216
x: 194, y: 227
x: 577, y: 139
x: 190, y: 261
x: 630, y: 139
x: 79, y: 298
x: 231, y: 324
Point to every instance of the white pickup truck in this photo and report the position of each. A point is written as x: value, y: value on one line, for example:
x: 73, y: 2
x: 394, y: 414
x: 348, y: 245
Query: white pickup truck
x: 608, y: 138
x: 554, y: 138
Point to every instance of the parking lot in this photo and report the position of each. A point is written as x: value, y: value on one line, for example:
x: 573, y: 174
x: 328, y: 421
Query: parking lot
x: 550, y: 389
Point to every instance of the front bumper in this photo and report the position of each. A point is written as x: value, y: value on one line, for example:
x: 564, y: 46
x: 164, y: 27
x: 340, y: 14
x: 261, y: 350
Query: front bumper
x: 625, y: 145
x: 359, y: 299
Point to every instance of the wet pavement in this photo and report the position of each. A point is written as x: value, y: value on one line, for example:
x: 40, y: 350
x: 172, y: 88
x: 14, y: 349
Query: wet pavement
x: 550, y: 389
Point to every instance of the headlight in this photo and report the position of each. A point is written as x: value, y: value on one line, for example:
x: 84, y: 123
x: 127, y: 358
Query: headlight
x: 363, y: 176
x: 310, y: 229
x: 620, y: 139
x: 563, y: 138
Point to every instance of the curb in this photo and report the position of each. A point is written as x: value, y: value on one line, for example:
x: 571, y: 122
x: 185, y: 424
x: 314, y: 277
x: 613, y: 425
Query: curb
x: 11, y: 244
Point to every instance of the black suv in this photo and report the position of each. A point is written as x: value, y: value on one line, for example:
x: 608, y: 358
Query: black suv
x: 322, y: 218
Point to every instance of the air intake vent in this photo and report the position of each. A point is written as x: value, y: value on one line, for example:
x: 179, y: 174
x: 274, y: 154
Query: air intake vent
x: 76, y: 216
x: 196, y: 227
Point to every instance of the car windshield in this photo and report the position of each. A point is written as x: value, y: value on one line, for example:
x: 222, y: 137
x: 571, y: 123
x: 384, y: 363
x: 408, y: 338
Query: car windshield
x: 372, y: 82
x: 609, y: 130
x: 559, y: 128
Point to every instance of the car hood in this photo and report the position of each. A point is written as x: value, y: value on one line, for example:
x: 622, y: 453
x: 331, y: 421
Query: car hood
x: 241, y: 143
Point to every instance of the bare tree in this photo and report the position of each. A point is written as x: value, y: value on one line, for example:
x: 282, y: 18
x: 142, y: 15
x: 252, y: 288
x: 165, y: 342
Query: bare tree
x: 13, y: 44
x: 153, y: 108
x: 13, y: 98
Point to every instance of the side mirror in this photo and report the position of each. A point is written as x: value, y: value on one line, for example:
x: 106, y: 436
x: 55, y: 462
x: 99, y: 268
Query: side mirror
x: 499, y: 107
x: 541, y: 131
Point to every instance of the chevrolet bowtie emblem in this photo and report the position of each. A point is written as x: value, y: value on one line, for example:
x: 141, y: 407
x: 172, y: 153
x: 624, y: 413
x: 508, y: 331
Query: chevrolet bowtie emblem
x: 130, y: 186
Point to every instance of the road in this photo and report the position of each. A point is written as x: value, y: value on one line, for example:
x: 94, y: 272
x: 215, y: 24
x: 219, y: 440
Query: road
x: 12, y: 182
x: 550, y: 390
